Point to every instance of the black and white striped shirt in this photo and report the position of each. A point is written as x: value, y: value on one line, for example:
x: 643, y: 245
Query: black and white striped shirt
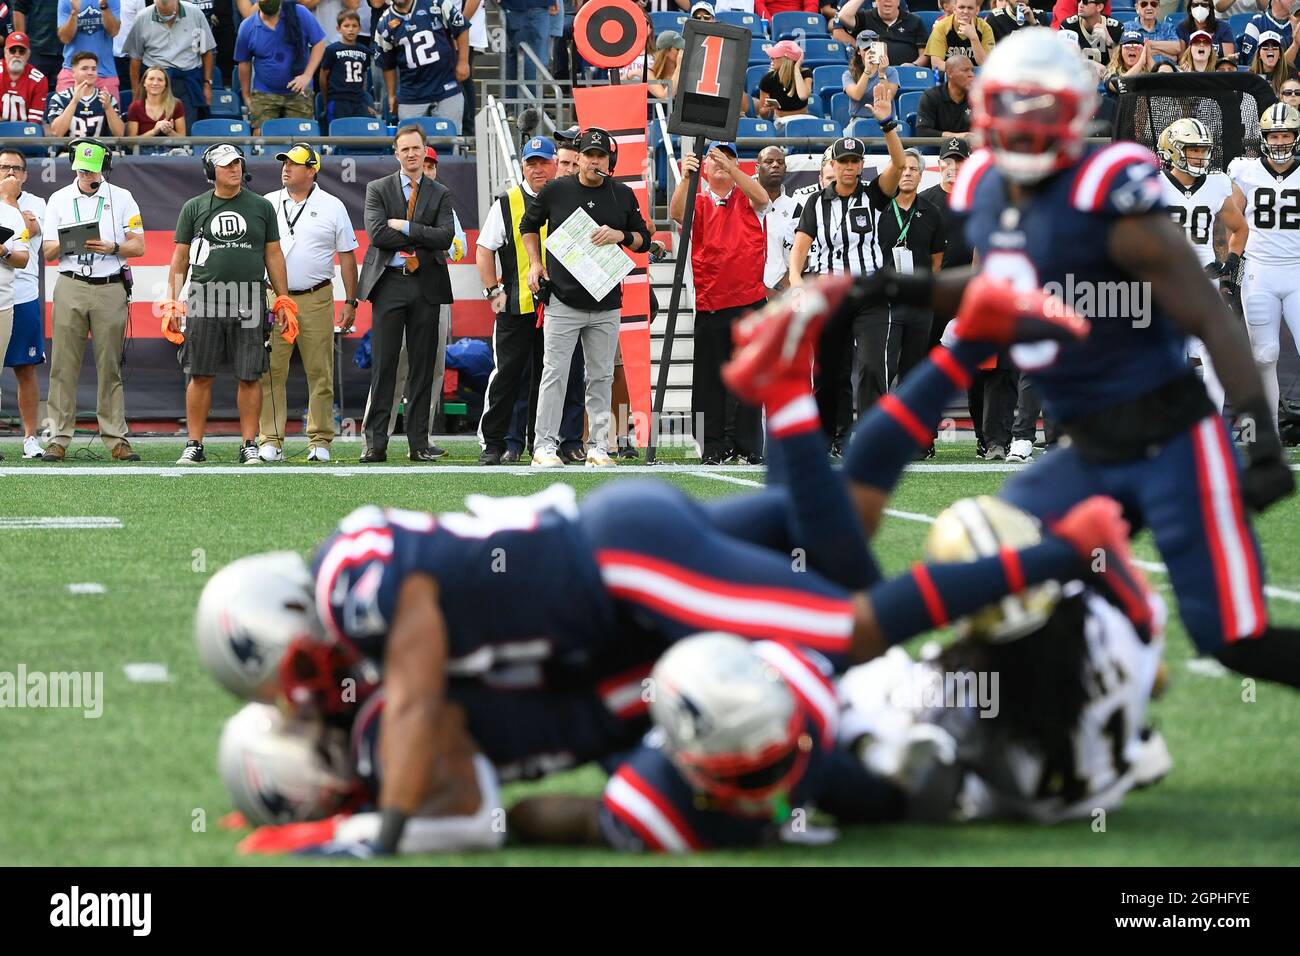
x: 843, y: 229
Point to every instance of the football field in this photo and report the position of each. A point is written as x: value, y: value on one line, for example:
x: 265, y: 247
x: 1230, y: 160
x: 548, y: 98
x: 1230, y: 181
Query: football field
x: 103, y: 565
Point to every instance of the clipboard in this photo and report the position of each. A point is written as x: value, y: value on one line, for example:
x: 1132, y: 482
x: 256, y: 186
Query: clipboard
x: 73, y: 238
x: 6, y: 234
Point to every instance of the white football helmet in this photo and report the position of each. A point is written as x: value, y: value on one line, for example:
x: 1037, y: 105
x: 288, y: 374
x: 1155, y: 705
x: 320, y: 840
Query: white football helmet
x: 730, y: 722
x: 280, y: 770
x: 1032, y: 103
x: 1280, y: 118
x: 247, y: 616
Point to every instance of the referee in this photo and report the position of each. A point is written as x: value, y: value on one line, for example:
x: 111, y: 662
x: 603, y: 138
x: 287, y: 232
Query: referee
x: 842, y: 220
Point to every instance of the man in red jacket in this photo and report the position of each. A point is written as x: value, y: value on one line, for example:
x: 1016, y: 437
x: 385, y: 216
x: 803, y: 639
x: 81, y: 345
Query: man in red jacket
x: 728, y: 252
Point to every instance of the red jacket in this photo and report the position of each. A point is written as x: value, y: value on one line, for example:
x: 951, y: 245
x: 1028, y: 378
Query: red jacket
x: 728, y: 251
x: 765, y: 8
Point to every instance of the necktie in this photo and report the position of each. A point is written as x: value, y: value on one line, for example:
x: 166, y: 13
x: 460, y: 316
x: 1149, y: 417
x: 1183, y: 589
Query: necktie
x: 412, y: 261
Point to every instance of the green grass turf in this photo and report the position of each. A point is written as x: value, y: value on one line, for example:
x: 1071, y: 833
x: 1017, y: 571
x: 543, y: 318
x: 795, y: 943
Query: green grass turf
x: 124, y: 789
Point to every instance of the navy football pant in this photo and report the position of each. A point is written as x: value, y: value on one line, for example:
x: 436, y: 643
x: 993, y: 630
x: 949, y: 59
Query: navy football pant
x: 1188, y: 496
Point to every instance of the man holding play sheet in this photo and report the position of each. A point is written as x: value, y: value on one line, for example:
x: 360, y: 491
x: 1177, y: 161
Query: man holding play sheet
x: 572, y: 311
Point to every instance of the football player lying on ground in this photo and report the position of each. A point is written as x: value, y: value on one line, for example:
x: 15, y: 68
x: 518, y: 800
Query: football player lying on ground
x: 429, y: 598
x: 1043, y: 207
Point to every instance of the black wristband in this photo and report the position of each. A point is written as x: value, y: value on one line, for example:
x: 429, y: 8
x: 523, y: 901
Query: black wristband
x: 1258, y: 432
x: 391, y: 823
x: 889, y: 125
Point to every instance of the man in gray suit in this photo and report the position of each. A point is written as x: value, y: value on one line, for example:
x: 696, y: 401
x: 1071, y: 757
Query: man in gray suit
x: 409, y: 221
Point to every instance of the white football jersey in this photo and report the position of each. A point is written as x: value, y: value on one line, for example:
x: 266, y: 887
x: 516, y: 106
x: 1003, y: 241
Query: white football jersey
x: 1194, y: 209
x: 1272, y: 211
x: 886, y: 698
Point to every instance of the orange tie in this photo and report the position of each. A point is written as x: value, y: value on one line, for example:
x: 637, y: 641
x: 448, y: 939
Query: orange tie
x: 412, y: 260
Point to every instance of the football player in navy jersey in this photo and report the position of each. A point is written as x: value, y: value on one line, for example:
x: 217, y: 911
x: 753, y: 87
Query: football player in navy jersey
x: 424, y: 52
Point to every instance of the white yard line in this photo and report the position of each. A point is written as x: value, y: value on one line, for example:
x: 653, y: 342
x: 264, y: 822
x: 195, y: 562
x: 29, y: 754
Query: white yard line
x: 66, y: 522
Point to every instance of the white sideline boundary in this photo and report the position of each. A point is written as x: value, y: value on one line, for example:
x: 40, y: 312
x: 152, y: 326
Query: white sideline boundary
x: 1156, y: 567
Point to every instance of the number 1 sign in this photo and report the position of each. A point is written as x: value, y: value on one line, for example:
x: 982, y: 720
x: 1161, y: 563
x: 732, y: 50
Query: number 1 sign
x: 712, y: 79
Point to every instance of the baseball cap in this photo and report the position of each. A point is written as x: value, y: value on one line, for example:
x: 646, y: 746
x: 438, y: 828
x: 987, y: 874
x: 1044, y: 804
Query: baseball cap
x: 787, y: 49
x: 17, y: 39
x: 568, y: 137
x: 430, y: 155
x: 300, y: 153
x: 1268, y: 36
x: 955, y: 146
x: 670, y: 40
x: 847, y: 148
x: 539, y: 146
x: 88, y: 157
x: 594, y: 139
x: 701, y: 5
x: 1199, y: 33
x: 729, y: 147
x: 1132, y: 38
x: 866, y: 38
x: 221, y: 155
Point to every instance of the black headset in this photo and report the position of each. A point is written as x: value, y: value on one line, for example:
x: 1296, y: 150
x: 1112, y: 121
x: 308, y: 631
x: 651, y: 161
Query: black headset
x: 210, y: 170
x: 613, y: 145
x: 91, y: 141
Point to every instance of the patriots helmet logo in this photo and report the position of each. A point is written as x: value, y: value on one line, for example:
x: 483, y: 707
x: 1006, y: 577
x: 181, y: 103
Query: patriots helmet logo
x: 246, y: 652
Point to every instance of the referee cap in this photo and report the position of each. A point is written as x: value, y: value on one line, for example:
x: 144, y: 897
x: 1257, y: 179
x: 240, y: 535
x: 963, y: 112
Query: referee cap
x: 847, y: 147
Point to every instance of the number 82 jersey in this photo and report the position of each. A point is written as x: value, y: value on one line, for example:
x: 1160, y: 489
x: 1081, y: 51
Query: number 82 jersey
x: 1272, y: 210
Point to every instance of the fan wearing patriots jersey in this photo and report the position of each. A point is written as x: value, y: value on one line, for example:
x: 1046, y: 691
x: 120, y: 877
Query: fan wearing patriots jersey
x: 82, y: 110
x: 1202, y: 203
x: 424, y: 52
x: 23, y: 88
x: 1044, y: 210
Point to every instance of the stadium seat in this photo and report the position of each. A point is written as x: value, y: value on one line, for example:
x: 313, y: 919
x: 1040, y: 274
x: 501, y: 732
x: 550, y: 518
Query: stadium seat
x: 747, y: 127
x: 827, y: 81
x: 1238, y: 22
x: 821, y: 51
x: 866, y: 127
x: 1175, y: 18
x: 740, y: 18
x: 225, y: 103
x: 796, y: 26
x: 928, y: 17
x: 433, y: 125
x: 290, y: 126
x: 360, y: 126
x: 906, y: 104
x: 667, y: 20
x: 839, y: 111
x: 123, y: 102
x: 17, y: 130
x: 915, y: 77
x: 810, y: 126
x: 220, y: 127
x: 758, y: 51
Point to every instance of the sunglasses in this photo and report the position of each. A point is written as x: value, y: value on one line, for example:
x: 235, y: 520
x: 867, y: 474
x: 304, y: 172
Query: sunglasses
x: 1284, y: 93
x: 1151, y: 5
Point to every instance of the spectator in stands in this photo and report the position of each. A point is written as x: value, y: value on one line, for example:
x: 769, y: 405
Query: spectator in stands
x: 784, y: 91
x: 475, y: 15
x: 904, y: 34
x: 868, y: 66
x: 1289, y: 94
x: 635, y: 72
x: 728, y: 254
x: 767, y: 8
x: 38, y: 20
x: 527, y: 21
x: 1131, y: 58
x: 223, y: 17
x: 1200, y: 18
x: 703, y: 10
x: 1276, y: 19
x: 90, y: 295
x: 1226, y: 64
x: 278, y: 56
x: 130, y: 9
x: 23, y: 88
x: 345, y: 72
x: 310, y: 243
x: 1008, y: 16
x: 667, y: 64
x: 1164, y: 65
x: 961, y: 32
x: 1064, y: 9
x: 89, y: 25
x: 158, y: 112
x: 429, y: 84
x: 174, y: 36
x: 944, y: 110
x: 26, y: 349
x: 1096, y: 34
x: 1268, y: 61
x: 83, y: 110
x: 1158, y: 33
x: 1199, y: 57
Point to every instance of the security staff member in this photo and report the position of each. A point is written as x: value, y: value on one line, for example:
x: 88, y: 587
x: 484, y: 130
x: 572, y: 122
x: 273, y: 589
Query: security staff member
x: 573, y: 313
x: 314, y: 227
x: 841, y: 219
x: 90, y: 297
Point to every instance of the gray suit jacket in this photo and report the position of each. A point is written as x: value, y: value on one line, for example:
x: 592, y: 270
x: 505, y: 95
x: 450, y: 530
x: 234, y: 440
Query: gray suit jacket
x: 432, y: 231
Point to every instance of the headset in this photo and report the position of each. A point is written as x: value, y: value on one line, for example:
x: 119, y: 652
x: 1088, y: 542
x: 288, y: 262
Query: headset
x: 613, y: 143
x: 91, y: 141
x: 210, y: 170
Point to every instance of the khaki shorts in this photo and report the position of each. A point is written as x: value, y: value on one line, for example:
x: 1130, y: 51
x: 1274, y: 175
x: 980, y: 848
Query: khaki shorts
x: 265, y: 106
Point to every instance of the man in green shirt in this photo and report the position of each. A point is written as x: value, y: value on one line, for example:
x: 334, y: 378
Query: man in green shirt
x: 226, y: 240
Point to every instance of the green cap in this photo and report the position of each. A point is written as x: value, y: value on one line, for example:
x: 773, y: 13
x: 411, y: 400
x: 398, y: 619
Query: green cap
x: 88, y: 157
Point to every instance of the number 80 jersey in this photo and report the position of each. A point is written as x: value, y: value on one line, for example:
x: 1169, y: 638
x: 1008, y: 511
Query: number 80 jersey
x: 1272, y: 210
x: 1194, y: 208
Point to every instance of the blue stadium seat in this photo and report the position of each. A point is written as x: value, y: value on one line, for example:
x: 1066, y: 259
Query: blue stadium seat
x: 906, y: 104
x: 124, y: 102
x: 839, y: 111
x: 747, y: 126
x: 810, y: 126
x: 822, y: 51
x: 866, y: 127
x: 915, y: 77
x: 15, y: 130
x: 827, y: 81
x: 1175, y: 18
x: 750, y: 21
x: 667, y: 20
x: 225, y: 103
x: 796, y: 26
x: 432, y: 125
x: 290, y: 126
x: 361, y: 126
x: 758, y: 51
x: 929, y: 17
x: 220, y: 127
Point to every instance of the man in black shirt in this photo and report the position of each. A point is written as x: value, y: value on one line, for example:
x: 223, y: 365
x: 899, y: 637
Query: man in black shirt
x: 572, y: 313
x: 904, y: 34
x: 944, y: 110
x: 1096, y: 33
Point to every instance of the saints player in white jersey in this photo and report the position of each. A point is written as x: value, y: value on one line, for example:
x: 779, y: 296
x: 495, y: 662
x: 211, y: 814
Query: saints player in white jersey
x: 1271, y: 290
x: 1063, y: 731
x: 1201, y: 201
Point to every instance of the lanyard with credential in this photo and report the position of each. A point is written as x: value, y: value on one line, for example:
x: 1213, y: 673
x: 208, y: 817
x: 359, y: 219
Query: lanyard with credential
x: 86, y: 259
x: 898, y: 217
x: 284, y: 208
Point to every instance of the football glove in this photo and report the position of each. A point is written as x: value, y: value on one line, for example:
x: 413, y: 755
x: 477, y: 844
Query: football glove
x: 1267, y: 478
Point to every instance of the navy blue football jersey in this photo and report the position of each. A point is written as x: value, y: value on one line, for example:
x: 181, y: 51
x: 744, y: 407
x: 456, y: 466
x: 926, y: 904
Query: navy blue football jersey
x: 421, y: 46
x: 517, y: 583
x: 88, y: 118
x: 1057, y: 239
x: 349, y: 71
